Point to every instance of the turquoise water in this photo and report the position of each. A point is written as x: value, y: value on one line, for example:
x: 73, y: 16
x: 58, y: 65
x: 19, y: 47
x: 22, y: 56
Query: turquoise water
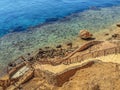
x: 17, y: 15
x: 50, y: 22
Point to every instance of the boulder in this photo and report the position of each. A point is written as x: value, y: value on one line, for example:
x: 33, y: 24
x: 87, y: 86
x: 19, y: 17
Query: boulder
x: 85, y: 34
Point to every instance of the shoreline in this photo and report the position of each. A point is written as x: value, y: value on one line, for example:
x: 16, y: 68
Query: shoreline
x: 17, y: 44
x: 78, y: 41
x: 55, y: 68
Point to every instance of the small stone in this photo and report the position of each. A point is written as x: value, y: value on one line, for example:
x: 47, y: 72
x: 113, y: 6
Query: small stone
x: 12, y: 64
x: 69, y: 44
x: 28, y: 54
x: 115, y: 35
x: 106, y: 34
x: 118, y: 25
x: 47, y: 47
x: 58, y: 46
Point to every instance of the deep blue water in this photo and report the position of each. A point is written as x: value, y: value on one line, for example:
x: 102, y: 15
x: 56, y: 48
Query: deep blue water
x: 17, y: 15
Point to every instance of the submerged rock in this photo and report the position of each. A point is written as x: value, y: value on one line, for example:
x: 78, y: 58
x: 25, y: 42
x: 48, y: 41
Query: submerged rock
x: 85, y: 34
x: 58, y: 46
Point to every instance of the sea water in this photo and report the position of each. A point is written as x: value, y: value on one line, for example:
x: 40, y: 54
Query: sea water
x: 17, y: 15
x: 27, y: 25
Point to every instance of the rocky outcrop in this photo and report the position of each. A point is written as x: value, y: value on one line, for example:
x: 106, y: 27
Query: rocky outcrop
x: 26, y: 77
x: 85, y: 34
x: 64, y: 76
x: 58, y: 79
x: 100, y: 76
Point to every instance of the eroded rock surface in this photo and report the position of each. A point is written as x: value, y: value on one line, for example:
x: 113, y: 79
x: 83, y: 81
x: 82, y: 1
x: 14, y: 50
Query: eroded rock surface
x: 100, y: 76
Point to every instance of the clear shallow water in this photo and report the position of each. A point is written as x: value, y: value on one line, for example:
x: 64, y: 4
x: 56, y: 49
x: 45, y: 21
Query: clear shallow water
x: 17, y: 15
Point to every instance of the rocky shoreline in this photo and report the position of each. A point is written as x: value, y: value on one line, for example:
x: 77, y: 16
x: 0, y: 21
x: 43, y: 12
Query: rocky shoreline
x: 96, y: 21
x: 64, y: 49
x: 48, y: 55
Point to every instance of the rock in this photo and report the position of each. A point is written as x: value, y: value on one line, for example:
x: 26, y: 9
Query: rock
x: 96, y: 87
x: 69, y: 44
x: 58, y: 46
x: 85, y: 34
x: 115, y: 35
x: 11, y: 64
x: 28, y: 54
x: 106, y: 34
x: 47, y: 47
x: 118, y: 25
x: 30, y: 59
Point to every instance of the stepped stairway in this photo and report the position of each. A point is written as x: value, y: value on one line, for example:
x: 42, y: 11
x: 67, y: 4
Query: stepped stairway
x: 115, y: 58
x: 111, y: 54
